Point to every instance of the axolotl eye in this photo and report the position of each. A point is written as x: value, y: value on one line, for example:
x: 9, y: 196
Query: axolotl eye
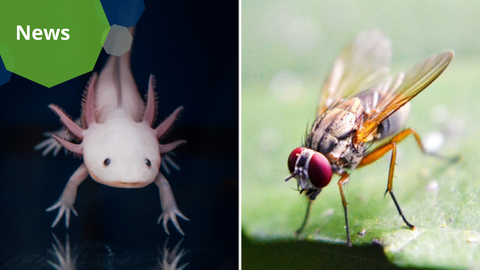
x: 318, y: 168
x: 147, y: 161
x: 106, y: 162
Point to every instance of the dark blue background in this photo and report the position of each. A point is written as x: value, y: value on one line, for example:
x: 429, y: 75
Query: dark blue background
x: 4, y: 73
x: 123, y: 12
x: 192, y: 49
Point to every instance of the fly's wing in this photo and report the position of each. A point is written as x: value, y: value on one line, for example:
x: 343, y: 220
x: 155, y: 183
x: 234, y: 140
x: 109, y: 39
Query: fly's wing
x: 361, y: 65
x: 399, y: 90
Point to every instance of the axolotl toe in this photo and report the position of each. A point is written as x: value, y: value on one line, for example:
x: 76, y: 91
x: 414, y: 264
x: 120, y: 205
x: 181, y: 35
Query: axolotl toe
x: 119, y: 146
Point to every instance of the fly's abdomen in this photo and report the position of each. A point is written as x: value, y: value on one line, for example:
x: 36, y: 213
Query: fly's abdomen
x: 394, y: 123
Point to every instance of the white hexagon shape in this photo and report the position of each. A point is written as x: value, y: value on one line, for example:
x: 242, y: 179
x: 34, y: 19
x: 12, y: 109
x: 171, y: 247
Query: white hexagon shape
x: 119, y: 40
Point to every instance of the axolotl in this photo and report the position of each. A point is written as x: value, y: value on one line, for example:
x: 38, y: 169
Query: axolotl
x: 119, y: 146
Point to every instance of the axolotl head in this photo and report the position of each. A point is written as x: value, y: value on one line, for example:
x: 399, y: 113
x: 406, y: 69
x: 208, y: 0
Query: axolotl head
x: 119, y: 152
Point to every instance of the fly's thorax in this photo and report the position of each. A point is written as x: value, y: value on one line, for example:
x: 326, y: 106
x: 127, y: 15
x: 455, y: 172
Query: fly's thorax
x: 332, y: 134
x: 336, y: 124
x: 346, y: 155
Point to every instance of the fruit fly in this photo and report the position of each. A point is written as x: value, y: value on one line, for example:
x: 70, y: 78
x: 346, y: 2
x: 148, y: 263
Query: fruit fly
x: 360, y: 104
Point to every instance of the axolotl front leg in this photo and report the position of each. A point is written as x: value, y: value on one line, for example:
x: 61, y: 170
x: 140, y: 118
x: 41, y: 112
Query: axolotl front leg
x: 67, y: 199
x: 170, y: 209
x: 69, y: 194
x: 169, y: 206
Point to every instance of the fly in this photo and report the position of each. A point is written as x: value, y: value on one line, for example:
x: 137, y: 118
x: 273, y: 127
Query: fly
x: 360, y: 104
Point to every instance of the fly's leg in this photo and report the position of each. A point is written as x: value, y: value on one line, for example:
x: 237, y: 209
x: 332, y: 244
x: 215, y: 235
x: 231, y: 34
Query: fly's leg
x: 343, y: 180
x: 382, y: 150
x: 307, y: 214
x: 390, y: 185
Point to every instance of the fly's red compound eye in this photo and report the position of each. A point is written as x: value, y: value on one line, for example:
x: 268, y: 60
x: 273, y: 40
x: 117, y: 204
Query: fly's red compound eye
x: 292, y: 159
x: 319, y: 170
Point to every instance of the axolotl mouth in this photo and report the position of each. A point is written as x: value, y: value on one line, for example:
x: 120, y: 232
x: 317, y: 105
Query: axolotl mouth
x: 126, y: 184
x: 129, y: 184
x: 120, y: 184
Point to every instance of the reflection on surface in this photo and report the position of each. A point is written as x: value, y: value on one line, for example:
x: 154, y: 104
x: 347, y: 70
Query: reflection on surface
x: 168, y: 260
x: 62, y: 254
x: 65, y: 258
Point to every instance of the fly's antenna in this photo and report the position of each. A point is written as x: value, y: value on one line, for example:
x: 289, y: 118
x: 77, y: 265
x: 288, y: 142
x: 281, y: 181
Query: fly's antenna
x: 291, y: 176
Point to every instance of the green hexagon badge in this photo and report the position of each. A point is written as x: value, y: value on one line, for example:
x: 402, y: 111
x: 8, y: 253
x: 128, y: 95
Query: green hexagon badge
x: 52, y: 41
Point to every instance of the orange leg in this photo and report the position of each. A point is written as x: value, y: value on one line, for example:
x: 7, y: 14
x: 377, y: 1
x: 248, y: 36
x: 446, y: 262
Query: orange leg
x: 343, y: 180
x: 382, y: 150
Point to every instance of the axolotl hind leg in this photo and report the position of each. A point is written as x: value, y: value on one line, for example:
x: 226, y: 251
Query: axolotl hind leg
x: 67, y: 199
x: 169, y: 206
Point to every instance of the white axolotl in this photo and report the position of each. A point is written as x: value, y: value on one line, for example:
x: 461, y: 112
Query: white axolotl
x: 118, y: 144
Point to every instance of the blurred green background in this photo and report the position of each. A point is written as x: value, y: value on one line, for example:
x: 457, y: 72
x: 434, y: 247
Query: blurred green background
x: 288, y: 48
